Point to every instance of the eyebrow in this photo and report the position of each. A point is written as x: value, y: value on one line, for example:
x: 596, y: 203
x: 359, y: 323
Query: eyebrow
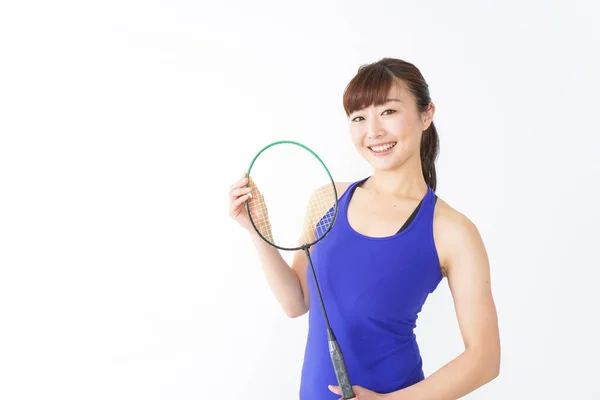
x: 386, y: 101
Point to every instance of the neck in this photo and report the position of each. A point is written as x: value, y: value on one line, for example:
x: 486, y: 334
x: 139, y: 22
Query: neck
x: 402, y: 182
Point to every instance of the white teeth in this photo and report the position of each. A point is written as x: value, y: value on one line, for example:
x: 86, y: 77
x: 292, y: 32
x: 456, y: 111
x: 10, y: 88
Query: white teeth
x: 383, y: 147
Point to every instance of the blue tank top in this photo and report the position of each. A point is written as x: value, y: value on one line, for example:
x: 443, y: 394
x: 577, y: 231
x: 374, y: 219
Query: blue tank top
x: 373, y: 290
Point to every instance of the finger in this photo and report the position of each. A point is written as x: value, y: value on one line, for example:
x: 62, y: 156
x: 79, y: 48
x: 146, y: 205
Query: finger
x: 243, y: 181
x: 334, y: 389
x: 239, y: 201
x: 238, y: 204
x: 235, y: 193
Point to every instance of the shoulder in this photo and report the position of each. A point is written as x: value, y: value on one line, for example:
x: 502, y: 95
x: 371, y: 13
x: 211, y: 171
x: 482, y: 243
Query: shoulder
x: 325, y: 190
x: 322, y: 198
x: 455, y: 235
x: 341, y: 187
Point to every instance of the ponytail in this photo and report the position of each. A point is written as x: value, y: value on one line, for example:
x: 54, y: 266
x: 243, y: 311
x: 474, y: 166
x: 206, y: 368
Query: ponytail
x: 430, y: 146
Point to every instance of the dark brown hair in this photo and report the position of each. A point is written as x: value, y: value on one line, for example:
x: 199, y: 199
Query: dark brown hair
x: 371, y: 85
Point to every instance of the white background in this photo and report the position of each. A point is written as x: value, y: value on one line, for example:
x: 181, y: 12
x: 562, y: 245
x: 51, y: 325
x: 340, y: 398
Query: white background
x: 123, y: 124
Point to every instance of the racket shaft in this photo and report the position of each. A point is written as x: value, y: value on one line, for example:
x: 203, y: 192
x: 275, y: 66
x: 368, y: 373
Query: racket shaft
x: 340, y: 369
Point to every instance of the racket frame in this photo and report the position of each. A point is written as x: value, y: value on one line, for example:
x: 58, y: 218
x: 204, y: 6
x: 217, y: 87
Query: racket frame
x: 307, y: 245
x: 335, y: 352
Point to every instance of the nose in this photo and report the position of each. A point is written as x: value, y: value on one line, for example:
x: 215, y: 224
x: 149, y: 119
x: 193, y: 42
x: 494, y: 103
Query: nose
x: 374, y: 128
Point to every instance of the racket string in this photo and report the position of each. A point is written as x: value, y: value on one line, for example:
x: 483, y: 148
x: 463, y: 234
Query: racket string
x: 293, y: 198
x: 318, y: 216
x: 259, y: 212
x: 321, y: 212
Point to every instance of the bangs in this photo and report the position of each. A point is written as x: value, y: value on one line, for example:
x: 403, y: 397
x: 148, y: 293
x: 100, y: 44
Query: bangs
x: 370, y: 86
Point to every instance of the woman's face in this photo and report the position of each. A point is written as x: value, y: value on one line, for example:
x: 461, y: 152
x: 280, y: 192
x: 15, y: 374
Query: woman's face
x: 389, y: 134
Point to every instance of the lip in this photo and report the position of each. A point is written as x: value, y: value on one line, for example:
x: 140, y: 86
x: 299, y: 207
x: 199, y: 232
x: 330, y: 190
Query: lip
x: 382, y: 153
x: 381, y: 144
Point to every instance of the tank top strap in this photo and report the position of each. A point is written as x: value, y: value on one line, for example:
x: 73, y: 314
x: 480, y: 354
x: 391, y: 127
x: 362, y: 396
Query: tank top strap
x: 345, y: 198
x: 428, y: 207
x: 424, y: 216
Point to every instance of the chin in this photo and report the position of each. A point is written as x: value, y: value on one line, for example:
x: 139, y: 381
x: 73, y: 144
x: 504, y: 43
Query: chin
x: 383, y: 163
x: 385, y: 166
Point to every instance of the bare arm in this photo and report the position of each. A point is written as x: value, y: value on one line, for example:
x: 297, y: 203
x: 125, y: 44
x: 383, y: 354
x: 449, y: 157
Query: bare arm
x: 289, y: 284
x: 285, y: 282
x: 469, y: 281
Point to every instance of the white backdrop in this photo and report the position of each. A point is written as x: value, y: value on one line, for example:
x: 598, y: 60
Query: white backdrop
x: 123, y: 124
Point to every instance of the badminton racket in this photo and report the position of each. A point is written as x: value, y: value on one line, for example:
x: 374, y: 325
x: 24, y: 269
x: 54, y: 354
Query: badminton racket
x: 284, y: 178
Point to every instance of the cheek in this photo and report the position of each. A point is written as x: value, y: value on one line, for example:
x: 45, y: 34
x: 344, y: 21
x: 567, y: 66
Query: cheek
x: 407, y: 130
x: 402, y: 127
x: 356, y: 137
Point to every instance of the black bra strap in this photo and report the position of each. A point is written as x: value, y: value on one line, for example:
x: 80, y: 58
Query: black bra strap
x: 413, y: 215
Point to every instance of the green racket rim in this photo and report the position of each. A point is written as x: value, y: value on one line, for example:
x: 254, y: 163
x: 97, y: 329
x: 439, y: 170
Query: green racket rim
x: 305, y: 246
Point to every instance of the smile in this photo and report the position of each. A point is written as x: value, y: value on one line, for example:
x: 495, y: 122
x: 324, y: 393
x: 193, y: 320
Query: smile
x: 383, y: 148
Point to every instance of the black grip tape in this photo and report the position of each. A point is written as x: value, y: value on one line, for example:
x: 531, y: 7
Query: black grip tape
x: 341, y: 373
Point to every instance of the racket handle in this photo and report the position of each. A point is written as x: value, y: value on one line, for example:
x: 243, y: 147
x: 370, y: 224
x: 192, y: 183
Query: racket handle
x: 339, y: 367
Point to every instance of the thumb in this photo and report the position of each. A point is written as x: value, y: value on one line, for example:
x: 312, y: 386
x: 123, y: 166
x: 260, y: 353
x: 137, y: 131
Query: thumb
x: 335, y: 389
x: 356, y: 389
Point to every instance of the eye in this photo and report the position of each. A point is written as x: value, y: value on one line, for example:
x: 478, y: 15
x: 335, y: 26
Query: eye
x: 384, y: 113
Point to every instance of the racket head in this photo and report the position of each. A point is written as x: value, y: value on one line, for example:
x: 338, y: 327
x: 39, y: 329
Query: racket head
x: 293, y: 193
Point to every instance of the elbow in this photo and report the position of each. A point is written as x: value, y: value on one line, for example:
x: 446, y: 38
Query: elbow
x: 488, y: 362
x: 295, y: 312
x: 295, y: 307
x: 494, y: 362
x: 491, y: 365
x: 496, y: 370
x: 493, y: 370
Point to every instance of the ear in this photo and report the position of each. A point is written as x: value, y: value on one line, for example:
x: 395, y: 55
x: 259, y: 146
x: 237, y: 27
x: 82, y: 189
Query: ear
x: 427, y: 116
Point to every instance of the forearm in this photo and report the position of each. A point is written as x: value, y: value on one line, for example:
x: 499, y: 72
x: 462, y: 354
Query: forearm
x: 282, y: 280
x: 471, y: 369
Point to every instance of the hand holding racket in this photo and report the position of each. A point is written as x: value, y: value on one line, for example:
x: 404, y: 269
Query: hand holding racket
x: 242, y: 191
x: 292, y: 176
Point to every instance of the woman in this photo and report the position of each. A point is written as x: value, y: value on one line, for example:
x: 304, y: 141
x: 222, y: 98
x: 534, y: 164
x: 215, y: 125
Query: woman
x: 394, y: 241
